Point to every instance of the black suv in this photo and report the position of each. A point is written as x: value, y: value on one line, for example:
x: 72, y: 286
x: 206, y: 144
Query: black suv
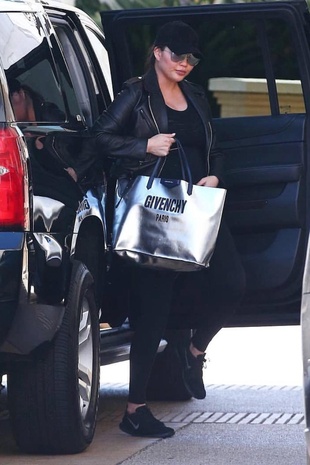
x: 63, y: 307
x: 55, y: 80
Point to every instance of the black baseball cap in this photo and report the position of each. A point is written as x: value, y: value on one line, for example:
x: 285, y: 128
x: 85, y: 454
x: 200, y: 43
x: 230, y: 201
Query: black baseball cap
x: 179, y: 37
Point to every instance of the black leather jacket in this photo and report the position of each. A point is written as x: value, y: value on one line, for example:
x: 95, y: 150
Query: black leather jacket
x: 138, y: 113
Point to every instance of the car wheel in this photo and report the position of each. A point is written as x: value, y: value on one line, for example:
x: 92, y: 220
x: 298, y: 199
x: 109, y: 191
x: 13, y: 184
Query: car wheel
x: 53, y: 400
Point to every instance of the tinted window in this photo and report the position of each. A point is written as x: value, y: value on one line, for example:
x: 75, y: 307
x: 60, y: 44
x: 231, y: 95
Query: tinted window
x: 250, y: 65
x: 92, y: 83
x: 102, y: 57
x: 28, y: 63
x: 241, y: 58
x: 71, y: 52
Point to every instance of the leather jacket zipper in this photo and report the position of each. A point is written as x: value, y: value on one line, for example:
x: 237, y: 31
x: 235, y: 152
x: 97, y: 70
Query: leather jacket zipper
x: 158, y: 131
x: 147, y: 120
x: 151, y: 111
x: 209, y: 149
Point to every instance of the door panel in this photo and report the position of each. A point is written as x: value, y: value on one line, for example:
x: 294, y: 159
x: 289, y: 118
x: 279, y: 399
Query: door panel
x: 266, y: 154
x: 265, y: 200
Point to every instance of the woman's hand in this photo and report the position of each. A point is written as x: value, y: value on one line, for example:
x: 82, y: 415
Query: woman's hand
x: 71, y: 173
x: 160, y: 144
x: 208, y: 181
x: 38, y: 142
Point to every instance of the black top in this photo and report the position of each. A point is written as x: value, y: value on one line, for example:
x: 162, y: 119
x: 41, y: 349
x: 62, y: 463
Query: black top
x: 189, y: 130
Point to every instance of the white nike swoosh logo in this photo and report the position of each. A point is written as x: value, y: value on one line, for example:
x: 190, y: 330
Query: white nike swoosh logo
x: 133, y: 424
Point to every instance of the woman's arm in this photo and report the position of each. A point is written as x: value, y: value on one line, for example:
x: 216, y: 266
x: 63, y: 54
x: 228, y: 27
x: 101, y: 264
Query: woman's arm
x: 111, y: 130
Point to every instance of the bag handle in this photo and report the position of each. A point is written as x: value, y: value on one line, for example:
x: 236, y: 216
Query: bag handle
x: 186, y: 172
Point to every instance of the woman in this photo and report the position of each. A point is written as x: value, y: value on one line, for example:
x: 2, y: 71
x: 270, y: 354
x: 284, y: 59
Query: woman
x: 140, y: 126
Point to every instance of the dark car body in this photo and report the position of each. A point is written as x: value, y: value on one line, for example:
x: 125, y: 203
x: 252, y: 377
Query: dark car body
x: 52, y: 229
x: 57, y: 288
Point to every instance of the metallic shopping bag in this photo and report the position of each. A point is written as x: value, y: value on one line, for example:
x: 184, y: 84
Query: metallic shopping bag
x: 167, y: 224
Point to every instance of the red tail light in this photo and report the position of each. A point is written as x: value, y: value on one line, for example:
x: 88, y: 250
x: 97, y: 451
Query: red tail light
x: 12, y: 190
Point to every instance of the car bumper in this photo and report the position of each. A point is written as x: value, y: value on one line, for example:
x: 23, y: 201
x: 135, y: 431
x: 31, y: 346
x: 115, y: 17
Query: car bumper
x: 24, y: 325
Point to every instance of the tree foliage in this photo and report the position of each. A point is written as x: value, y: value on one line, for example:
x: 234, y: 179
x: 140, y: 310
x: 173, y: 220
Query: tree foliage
x: 93, y: 7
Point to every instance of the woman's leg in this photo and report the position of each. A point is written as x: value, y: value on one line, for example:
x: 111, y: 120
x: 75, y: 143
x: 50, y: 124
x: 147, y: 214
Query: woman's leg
x: 219, y: 291
x: 152, y: 299
x: 226, y: 287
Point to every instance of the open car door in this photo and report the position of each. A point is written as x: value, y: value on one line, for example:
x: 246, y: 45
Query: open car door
x: 256, y: 73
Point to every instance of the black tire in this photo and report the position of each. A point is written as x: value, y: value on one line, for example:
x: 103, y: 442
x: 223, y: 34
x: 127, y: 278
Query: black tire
x: 53, y: 401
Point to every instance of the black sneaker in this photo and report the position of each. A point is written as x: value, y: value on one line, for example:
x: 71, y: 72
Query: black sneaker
x: 192, y: 373
x: 143, y: 423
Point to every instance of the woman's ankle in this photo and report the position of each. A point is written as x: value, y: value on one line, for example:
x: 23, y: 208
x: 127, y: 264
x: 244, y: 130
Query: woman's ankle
x: 131, y: 407
x: 194, y: 351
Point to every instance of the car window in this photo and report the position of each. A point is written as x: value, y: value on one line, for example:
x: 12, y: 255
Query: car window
x: 250, y: 65
x: 29, y: 65
x: 94, y: 92
x: 252, y: 72
x: 284, y: 55
x: 71, y: 53
x: 102, y: 57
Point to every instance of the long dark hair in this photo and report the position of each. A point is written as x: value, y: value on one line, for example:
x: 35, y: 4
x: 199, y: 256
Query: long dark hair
x: 150, y: 58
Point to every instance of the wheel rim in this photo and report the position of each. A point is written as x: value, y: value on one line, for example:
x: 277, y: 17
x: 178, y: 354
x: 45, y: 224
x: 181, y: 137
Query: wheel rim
x: 85, y: 367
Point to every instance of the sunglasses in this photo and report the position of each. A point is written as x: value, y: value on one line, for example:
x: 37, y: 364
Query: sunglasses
x: 191, y: 59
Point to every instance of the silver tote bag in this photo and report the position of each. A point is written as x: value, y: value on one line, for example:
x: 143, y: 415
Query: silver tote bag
x: 166, y: 223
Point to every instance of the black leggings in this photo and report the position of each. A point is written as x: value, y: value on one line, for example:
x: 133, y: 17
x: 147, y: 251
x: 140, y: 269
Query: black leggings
x: 151, y: 302
x: 222, y: 289
x: 213, y: 295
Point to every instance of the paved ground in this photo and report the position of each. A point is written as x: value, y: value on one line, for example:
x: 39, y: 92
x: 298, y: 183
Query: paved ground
x: 244, y: 422
x: 256, y: 425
